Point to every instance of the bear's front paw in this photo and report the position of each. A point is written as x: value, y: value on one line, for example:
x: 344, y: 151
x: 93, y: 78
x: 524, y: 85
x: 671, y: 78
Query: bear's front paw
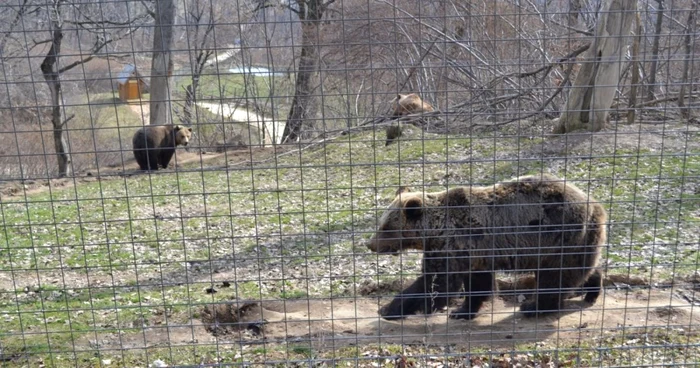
x: 462, y: 313
x: 591, y: 297
x: 390, y: 315
x: 529, y: 309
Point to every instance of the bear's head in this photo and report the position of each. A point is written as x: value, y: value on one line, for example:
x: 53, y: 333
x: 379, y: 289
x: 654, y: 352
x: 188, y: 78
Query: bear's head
x: 182, y: 135
x: 400, y: 225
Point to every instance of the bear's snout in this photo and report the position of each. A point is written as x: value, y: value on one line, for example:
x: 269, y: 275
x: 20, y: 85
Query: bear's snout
x: 371, y: 244
x: 379, y: 245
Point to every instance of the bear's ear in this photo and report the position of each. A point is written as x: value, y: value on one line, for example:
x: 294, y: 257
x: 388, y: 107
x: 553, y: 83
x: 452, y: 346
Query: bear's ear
x: 190, y: 129
x: 178, y: 127
x: 403, y: 189
x: 413, y: 208
x: 456, y: 197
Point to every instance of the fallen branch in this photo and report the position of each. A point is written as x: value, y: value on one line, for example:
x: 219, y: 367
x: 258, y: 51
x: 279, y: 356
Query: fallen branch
x: 384, y: 120
x: 544, y: 105
x: 546, y: 68
x: 657, y: 101
x: 588, y: 32
x: 668, y: 98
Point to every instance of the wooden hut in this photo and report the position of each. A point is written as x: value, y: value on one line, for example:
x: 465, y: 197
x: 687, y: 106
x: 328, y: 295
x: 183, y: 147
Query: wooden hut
x: 131, y: 84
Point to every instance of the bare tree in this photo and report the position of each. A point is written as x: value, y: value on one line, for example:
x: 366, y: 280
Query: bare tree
x: 574, y: 10
x: 22, y: 10
x: 655, y: 50
x: 635, y: 64
x: 690, y: 30
x: 52, y: 70
x: 310, y: 13
x: 201, y: 22
x: 595, y: 86
x: 162, y: 62
x: 49, y: 68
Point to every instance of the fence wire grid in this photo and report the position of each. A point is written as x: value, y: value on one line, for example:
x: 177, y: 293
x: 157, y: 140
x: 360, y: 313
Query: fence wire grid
x: 369, y: 183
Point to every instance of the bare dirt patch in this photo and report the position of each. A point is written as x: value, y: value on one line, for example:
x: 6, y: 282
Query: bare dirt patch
x: 354, y: 321
x: 142, y: 110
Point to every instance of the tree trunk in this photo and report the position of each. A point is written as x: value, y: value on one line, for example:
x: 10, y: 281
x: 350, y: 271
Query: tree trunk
x: 162, y: 63
x: 303, y: 98
x: 190, y: 101
x: 655, y: 51
x: 596, y: 83
x: 49, y: 69
x: 632, y: 107
x: 574, y: 10
x: 685, y: 111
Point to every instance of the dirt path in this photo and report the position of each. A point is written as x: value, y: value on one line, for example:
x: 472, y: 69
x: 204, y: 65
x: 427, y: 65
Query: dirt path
x: 142, y: 110
x: 342, y: 322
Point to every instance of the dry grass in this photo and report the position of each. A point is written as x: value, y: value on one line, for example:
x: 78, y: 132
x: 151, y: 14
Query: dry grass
x: 99, y: 136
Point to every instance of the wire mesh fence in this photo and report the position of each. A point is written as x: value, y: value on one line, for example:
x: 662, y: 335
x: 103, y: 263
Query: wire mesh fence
x: 404, y: 183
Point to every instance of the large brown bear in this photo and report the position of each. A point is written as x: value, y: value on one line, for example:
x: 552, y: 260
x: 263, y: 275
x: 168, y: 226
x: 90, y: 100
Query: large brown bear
x: 534, y: 224
x: 154, y: 145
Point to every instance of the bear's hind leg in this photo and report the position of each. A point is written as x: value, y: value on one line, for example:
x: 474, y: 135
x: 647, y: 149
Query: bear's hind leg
x: 593, y: 286
x: 165, y: 156
x: 142, y: 160
x: 152, y: 159
x: 552, y: 288
x: 479, y: 287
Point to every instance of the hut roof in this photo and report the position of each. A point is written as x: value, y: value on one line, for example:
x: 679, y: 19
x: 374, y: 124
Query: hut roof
x: 129, y: 71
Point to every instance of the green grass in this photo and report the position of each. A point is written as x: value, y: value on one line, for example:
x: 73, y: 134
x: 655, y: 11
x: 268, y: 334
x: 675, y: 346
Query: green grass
x: 105, y: 115
x: 232, y: 86
x: 304, y: 211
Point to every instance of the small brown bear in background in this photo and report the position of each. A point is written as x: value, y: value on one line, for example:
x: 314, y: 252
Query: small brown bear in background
x: 536, y: 224
x: 154, y: 145
x: 410, y: 104
x: 405, y: 105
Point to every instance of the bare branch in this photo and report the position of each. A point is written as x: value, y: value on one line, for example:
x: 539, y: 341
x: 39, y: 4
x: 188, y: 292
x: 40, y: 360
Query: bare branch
x: 149, y: 11
x: 67, y: 120
x: 551, y: 65
x: 20, y: 13
x: 37, y: 43
x: 102, y: 23
x: 576, y: 30
x: 94, y: 54
x: 264, y: 4
x: 535, y: 113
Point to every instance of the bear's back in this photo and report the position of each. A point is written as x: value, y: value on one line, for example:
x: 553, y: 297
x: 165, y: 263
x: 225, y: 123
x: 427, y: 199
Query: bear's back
x: 525, y: 220
x: 531, y: 209
x: 519, y: 200
x: 153, y: 136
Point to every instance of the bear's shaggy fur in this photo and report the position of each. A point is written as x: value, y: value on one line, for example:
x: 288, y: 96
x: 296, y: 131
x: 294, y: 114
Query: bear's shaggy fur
x: 410, y: 104
x: 393, y: 132
x: 154, y: 145
x: 534, y: 224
